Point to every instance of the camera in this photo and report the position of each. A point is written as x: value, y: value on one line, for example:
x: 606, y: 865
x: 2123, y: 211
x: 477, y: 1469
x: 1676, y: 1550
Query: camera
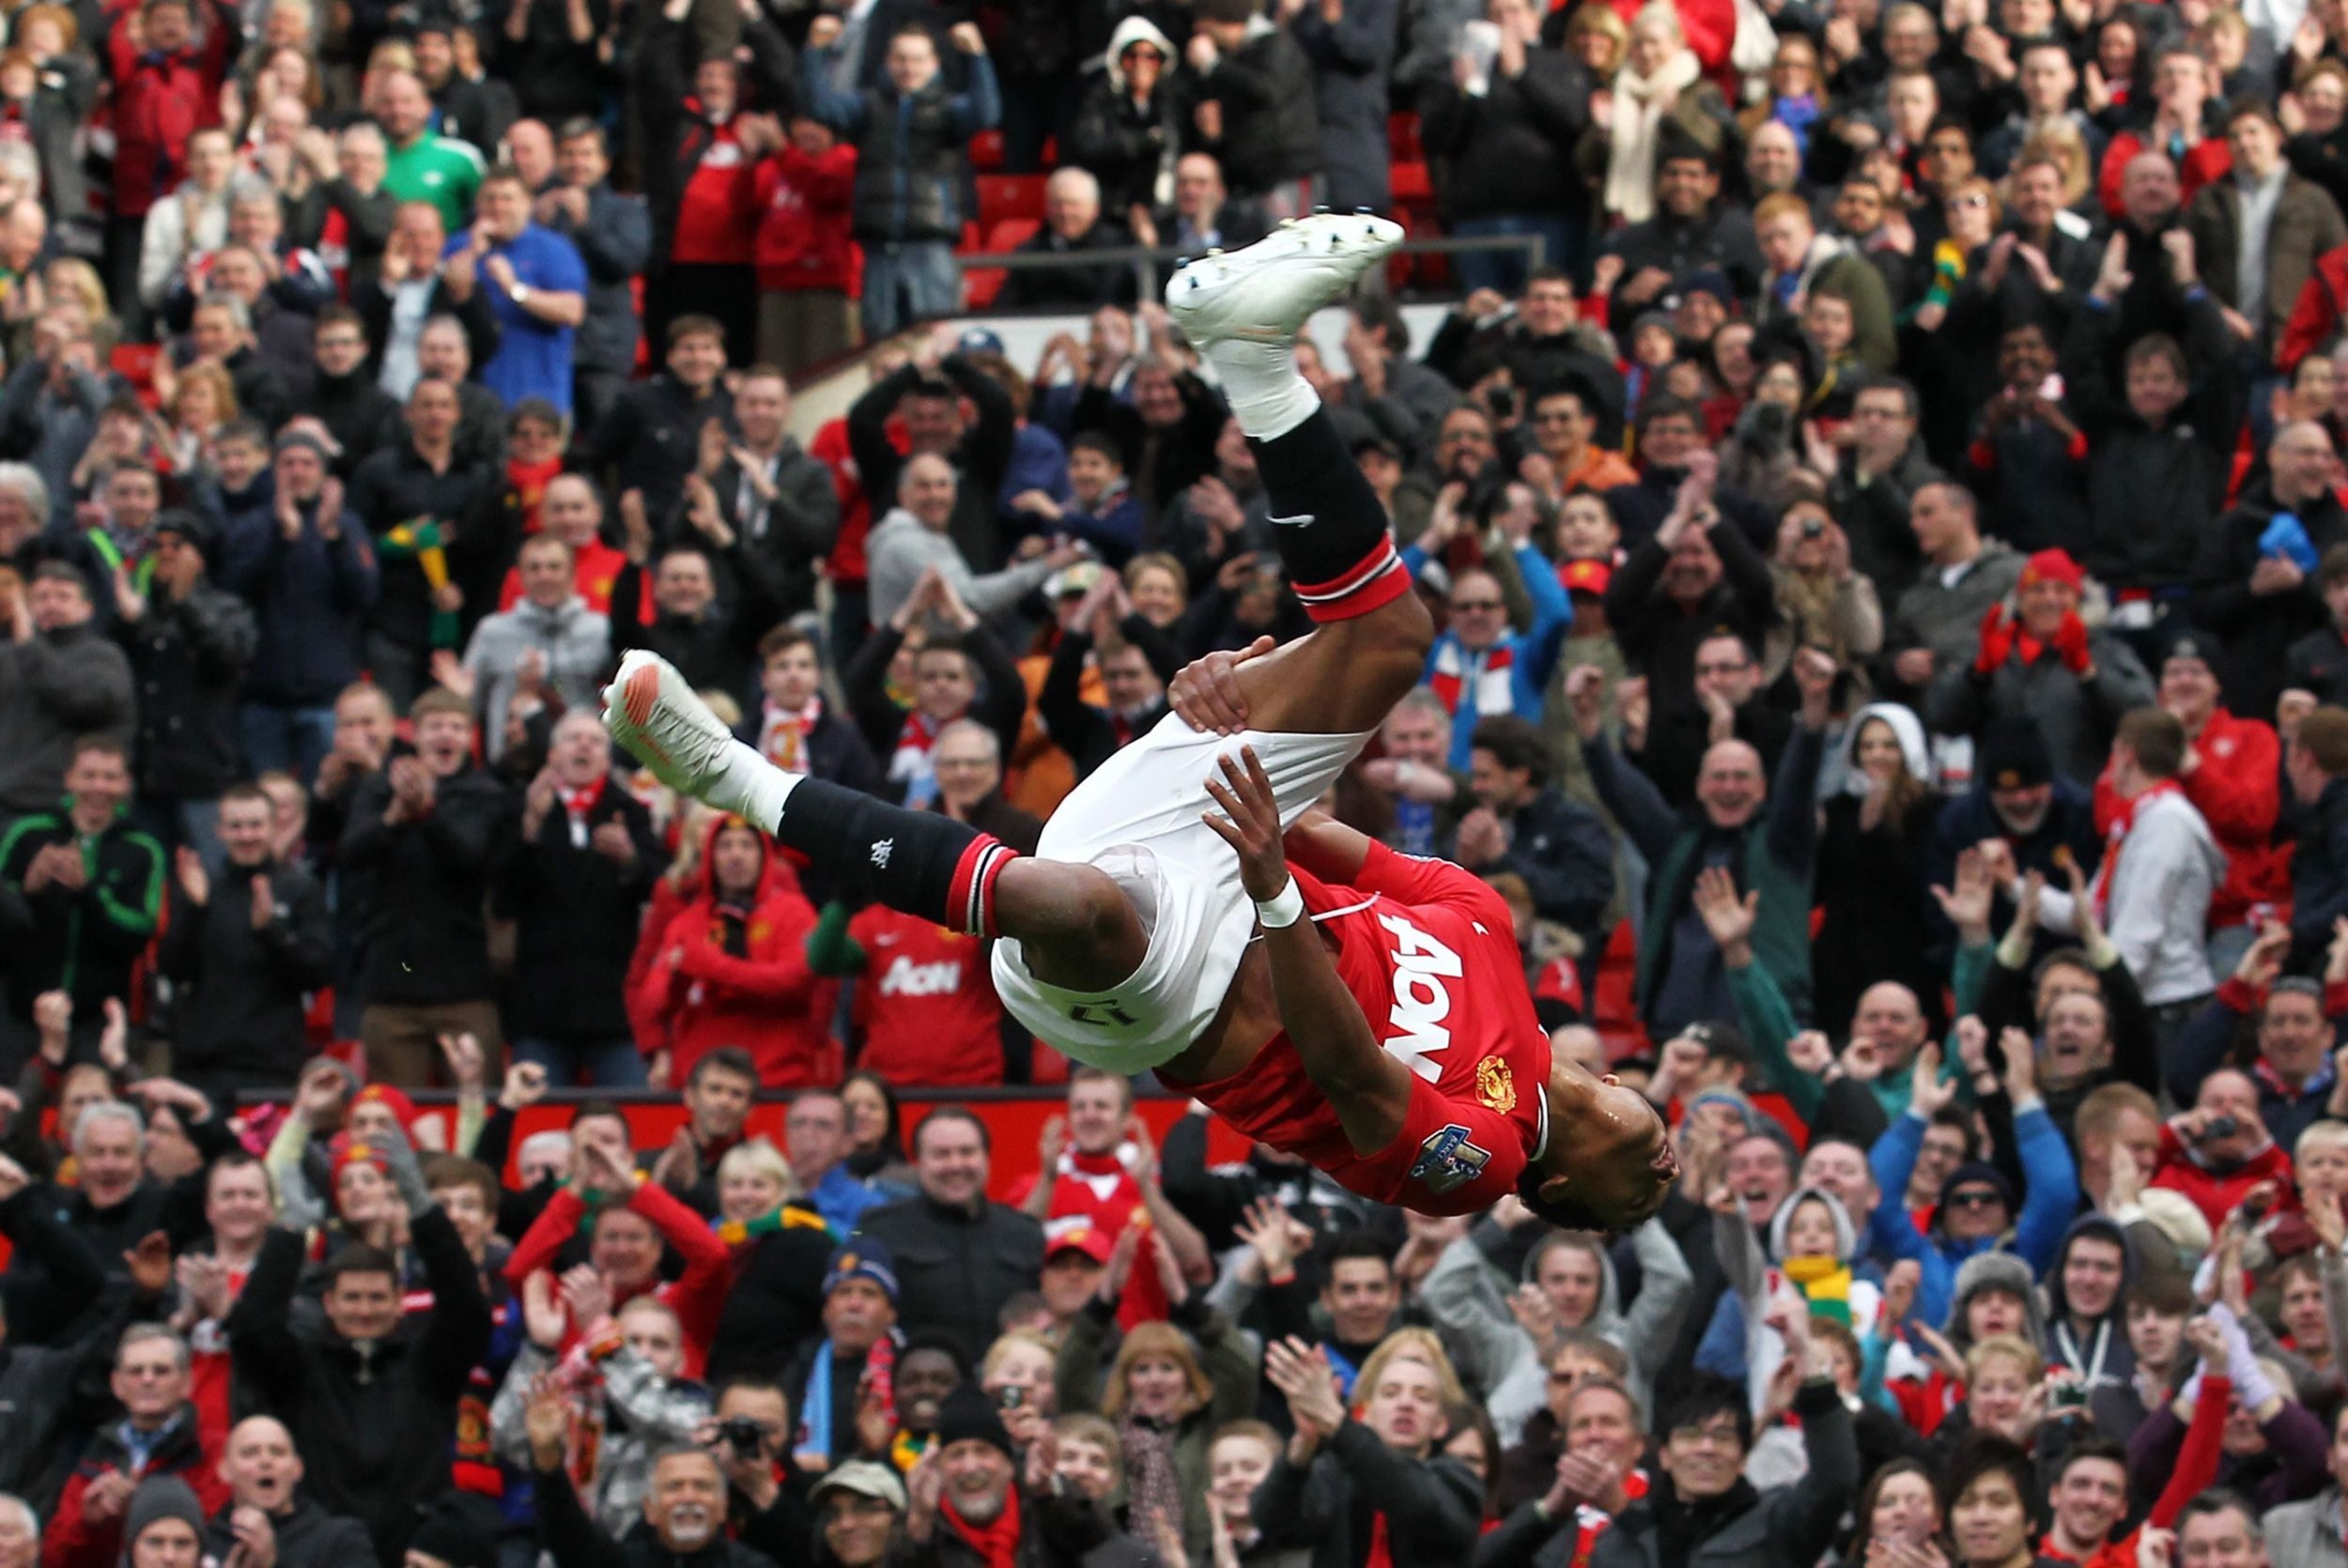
x: 1010, y: 1398
x: 745, y: 1434
x: 2219, y: 1126
x: 1501, y: 401
x: 1814, y: 529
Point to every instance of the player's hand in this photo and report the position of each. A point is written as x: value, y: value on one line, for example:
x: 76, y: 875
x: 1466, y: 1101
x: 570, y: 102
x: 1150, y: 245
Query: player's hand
x: 1206, y: 691
x: 1250, y: 824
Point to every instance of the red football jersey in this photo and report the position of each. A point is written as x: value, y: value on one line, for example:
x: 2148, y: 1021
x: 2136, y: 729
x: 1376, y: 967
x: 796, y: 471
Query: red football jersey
x: 1431, y: 956
x: 925, y: 1002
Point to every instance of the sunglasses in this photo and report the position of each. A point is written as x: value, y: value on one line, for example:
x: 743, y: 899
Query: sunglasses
x: 1976, y: 1198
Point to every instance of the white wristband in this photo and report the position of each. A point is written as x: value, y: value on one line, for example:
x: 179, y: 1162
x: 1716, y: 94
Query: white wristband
x: 1284, y: 908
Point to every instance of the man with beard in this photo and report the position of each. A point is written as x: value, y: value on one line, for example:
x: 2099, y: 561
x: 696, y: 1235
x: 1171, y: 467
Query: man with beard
x: 264, y: 1513
x: 685, y: 1510
x: 965, y: 1509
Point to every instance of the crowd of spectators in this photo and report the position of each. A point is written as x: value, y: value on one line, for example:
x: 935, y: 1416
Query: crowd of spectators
x: 1881, y: 490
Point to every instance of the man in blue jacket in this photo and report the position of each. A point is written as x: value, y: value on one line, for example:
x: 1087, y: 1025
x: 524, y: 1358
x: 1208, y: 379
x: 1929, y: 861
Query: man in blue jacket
x: 1479, y: 667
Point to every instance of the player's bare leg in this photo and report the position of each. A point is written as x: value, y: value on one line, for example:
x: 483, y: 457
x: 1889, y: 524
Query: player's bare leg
x: 1080, y: 931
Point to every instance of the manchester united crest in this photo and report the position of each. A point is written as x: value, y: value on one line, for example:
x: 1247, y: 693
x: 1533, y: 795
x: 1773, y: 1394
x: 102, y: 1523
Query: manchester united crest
x: 1495, y: 1085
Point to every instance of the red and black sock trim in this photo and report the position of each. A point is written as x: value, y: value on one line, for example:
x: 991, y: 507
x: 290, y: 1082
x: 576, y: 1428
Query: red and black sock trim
x: 1326, y: 520
x: 970, y: 895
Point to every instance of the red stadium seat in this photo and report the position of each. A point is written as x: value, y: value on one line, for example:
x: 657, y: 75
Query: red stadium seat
x: 135, y: 363
x: 986, y: 151
x: 1002, y: 197
x: 1403, y: 138
x: 981, y: 285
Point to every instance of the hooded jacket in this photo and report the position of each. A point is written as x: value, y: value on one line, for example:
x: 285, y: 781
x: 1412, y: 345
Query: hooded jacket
x: 1130, y: 148
x: 1953, y: 1267
x: 1465, y: 1299
x: 733, y: 971
x: 2100, y: 1353
x: 573, y: 640
x: 1738, y: 1344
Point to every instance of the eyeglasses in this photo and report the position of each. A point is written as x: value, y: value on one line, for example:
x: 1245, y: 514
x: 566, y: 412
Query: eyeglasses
x: 1975, y: 201
x: 1975, y: 1198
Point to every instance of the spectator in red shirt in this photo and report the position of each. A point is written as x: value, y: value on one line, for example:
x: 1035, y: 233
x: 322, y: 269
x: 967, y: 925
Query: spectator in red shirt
x: 2218, y: 1150
x: 166, y: 87
x: 2181, y: 87
x: 807, y: 263
x: 157, y: 1434
x: 729, y: 970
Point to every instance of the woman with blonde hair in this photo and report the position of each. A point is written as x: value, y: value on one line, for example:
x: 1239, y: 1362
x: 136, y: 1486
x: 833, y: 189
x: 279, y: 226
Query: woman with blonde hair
x: 1597, y: 37
x: 72, y: 278
x: 203, y: 401
x: 781, y: 1252
x: 1166, y: 1397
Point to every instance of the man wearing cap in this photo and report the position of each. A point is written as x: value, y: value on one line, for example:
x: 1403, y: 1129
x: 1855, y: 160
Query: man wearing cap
x: 162, y: 1527
x: 2017, y: 800
x: 858, y: 1508
x: 2252, y: 584
x: 973, y: 1512
x: 2232, y: 775
x: 830, y: 1385
x: 188, y: 643
x: 2039, y: 660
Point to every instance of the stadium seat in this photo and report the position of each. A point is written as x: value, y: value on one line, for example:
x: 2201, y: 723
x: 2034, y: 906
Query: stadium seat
x: 981, y: 285
x: 986, y: 151
x: 135, y: 363
x: 1002, y: 197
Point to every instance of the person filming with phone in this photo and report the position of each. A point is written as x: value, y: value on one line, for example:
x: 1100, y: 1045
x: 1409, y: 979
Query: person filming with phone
x: 2218, y: 1150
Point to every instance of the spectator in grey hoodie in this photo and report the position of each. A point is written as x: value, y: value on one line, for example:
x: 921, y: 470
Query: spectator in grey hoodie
x: 548, y: 640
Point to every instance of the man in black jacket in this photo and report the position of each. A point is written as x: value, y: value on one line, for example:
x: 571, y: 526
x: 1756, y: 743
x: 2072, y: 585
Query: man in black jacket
x: 266, y: 1512
x: 81, y: 892
x: 1250, y: 87
x: 188, y: 644
x: 372, y: 1396
x: 55, y: 1279
x: 241, y: 953
x: 575, y: 885
x: 613, y: 234
x: 424, y: 828
x: 432, y: 508
x: 778, y: 500
x: 685, y: 1510
x: 651, y: 437
x: 414, y: 284
x: 343, y: 391
x: 1072, y: 225
x: 1523, y: 825
x: 1136, y: 662
x: 1343, y: 1481
x: 958, y: 1256
x: 1691, y: 229
x: 795, y: 728
x: 2257, y: 597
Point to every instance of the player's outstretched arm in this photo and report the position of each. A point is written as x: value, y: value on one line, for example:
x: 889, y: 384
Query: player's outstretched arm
x: 1369, y: 1090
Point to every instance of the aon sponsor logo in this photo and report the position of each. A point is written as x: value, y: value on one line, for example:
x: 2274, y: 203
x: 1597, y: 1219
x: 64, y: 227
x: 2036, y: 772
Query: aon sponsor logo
x: 1421, y: 999
x: 905, y: 977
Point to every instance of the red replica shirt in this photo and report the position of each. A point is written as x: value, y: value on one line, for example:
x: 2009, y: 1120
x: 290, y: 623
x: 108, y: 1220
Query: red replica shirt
x: 1431, y: 956
x: 925, y: 1003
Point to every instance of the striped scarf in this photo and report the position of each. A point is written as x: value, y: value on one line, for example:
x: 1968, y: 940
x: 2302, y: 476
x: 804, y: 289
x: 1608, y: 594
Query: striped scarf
x: 1487, y: 681
x: 1825, y: 1281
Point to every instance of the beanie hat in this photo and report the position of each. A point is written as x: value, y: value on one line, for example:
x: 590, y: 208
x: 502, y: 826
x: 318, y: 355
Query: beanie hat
x: 968, y: 1416
x: 1994, y: 1271
x: 459, y: 1529
x: 863, y: 1259
x: 158, y: 1498
x: 346, y: 1151
x: 403, y: 1109
x: 1978, y: 1173
x: 2013, y: 755
x: 2053, y: 565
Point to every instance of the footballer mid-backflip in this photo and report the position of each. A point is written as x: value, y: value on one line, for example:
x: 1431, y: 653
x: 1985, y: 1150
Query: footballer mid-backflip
x: 1360, y: 1009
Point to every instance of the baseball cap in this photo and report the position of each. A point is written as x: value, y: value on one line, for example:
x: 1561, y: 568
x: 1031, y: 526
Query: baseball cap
x: 978, y: 340
x: 1088, y: 1240
x: 866, y: 1480
x: 1586, y: 576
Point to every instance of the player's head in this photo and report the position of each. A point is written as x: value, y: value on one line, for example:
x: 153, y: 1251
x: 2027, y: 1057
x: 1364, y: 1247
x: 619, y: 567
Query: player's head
x: 1608, y: 1163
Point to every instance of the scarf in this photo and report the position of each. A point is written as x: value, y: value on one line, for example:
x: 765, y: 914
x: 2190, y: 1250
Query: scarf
x: 1487, y: 681
x: 577, y: 803
x: 1825, y: 1281
x: 1152, y: 1485
x: 880, y: 1364
x: 1638, y: 121
x: 1798, y: 115
x: 783, y: 737
x: 2115, y: 839
x: 910, y: 765
x: 529, y: 482
x: 997, y: 1543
